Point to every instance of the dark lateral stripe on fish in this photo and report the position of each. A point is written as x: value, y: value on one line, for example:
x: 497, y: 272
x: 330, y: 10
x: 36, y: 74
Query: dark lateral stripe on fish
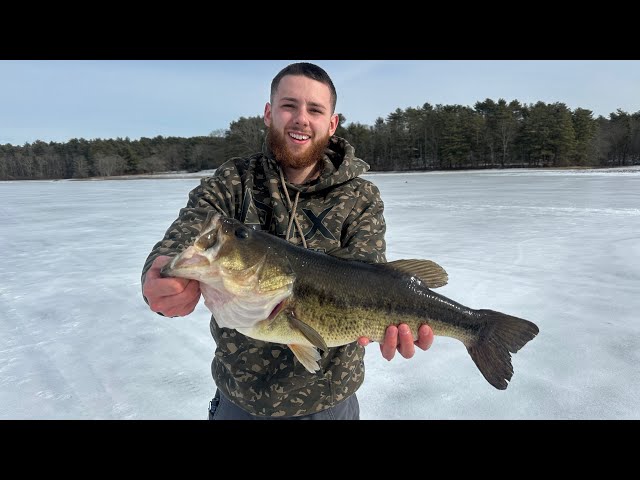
x: 311, y: 299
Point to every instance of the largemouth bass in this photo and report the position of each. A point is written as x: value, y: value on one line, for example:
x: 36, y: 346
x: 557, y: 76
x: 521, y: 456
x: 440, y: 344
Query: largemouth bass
x: 271, y: 290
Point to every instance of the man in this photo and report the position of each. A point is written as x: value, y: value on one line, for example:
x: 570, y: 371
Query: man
x: 305, y: 187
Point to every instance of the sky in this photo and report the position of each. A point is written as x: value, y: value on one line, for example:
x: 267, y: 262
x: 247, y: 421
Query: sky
x: 559, y: 248
x: 57, y: 100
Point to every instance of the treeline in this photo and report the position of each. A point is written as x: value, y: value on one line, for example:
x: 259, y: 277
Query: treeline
x: 490, y: 135
x: 497, y: 135
x: 80, y: 158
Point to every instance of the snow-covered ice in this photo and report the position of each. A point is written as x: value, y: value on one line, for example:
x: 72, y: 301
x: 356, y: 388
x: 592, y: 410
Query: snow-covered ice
x: 558, y: 247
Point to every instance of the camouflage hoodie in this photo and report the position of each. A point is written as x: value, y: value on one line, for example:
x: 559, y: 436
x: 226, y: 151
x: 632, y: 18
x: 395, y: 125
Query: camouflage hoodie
x: 339, y: 214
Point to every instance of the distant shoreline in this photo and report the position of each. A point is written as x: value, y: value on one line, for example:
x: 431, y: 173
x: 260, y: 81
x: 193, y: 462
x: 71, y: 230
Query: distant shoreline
x: 631, y: 169
x: 204, y: 173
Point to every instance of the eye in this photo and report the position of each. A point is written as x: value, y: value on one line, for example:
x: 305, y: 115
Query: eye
x: 207, y: 240
x: 242, y: 232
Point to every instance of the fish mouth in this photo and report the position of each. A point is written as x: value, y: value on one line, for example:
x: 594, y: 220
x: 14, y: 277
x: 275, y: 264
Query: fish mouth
x: 189, y: 259
x: 200, y: 255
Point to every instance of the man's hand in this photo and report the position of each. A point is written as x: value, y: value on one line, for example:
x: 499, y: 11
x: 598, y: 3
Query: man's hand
x: 399, y: 338
x: 173, y: 297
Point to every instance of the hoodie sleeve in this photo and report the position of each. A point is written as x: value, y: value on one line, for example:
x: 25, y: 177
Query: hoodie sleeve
x: 213, y: 193
x: 365, y: 227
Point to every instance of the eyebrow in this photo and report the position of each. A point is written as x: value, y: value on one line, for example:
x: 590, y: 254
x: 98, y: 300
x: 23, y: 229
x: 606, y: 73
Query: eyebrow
x: 295, y: 100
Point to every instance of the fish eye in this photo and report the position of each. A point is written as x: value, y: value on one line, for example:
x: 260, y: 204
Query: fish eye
x: 207, y: 240
x: 241, y: 232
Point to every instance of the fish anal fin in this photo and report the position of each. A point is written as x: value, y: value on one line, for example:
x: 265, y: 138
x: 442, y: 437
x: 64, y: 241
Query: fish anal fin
x: 427, y: 271
x: 309, y: 332
x: 306, y: 355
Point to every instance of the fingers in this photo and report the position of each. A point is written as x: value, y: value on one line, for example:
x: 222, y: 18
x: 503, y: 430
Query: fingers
x: 177, y: 305
x: 401, y: 339
x: 181, y: 310
x: 425, y: 337
x: 363, y: 341
x: 164, y: 287
x: 169, y: 296
x: 156, y: 266
x: 160, y: 261
x: 406, y: 346
x: 156, y: 285
x: 191, y: 290
x: 390, y: 344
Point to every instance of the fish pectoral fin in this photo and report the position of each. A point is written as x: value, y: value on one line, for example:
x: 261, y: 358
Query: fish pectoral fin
x: 306, y: 355
x: 308, y: 331
x: 426, y: 270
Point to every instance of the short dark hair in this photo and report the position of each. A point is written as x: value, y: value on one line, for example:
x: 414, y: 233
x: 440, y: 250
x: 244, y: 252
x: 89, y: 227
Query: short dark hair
x: 308, y: 70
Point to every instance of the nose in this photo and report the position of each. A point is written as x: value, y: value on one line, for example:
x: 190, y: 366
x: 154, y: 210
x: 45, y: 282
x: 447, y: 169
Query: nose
x: 301, y: 117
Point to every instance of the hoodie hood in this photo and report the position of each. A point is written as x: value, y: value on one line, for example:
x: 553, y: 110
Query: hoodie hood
x: 340, y: 166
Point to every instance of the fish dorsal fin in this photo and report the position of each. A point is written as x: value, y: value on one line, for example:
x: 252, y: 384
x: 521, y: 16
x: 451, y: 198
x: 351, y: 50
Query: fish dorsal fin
x: 309, y: 332
x: 429, y: 272
x: 306, y: 355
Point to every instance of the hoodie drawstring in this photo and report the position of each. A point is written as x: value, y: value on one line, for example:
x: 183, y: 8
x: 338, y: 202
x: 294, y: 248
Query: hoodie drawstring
x: 292, y: 210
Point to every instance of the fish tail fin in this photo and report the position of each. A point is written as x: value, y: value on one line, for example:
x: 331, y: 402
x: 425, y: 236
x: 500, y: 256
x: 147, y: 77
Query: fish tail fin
x: 500, y: 336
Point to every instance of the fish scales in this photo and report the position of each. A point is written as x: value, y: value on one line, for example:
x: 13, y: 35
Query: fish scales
x: 271, y: 290
x: 346, y: 300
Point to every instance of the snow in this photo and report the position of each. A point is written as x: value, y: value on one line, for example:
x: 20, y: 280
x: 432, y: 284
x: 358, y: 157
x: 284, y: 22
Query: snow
x: 558, y: 247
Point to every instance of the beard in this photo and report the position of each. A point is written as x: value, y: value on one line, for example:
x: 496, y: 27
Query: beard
x: 278, y: 145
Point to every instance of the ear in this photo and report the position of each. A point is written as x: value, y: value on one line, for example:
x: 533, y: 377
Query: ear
x: 333, y: 124
x: 267, y: 114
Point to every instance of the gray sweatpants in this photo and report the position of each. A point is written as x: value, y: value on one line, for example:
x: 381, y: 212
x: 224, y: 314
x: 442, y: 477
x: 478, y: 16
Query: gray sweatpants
x: 221, y: 408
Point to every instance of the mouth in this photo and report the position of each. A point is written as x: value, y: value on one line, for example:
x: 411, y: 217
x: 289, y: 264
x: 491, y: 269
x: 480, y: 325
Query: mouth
x: 199, y: 254
x: 191, y: 258
x: 299, y: 138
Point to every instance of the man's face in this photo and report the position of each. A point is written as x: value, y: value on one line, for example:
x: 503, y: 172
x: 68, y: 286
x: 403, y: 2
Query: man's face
x: 300, y: 121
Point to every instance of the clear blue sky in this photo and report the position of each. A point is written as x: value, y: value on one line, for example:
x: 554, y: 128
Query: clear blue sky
x: 54, y: 100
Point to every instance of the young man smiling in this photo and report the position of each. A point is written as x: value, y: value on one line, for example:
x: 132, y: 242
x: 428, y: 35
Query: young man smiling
x: 304, y: 186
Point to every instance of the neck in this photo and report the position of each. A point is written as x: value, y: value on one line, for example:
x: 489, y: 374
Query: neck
x: 298, y: 176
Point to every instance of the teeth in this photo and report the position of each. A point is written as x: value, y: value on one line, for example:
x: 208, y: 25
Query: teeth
x: 298, y: 137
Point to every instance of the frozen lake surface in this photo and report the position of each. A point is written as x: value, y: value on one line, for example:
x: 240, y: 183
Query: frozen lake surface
x: 560, y: 248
